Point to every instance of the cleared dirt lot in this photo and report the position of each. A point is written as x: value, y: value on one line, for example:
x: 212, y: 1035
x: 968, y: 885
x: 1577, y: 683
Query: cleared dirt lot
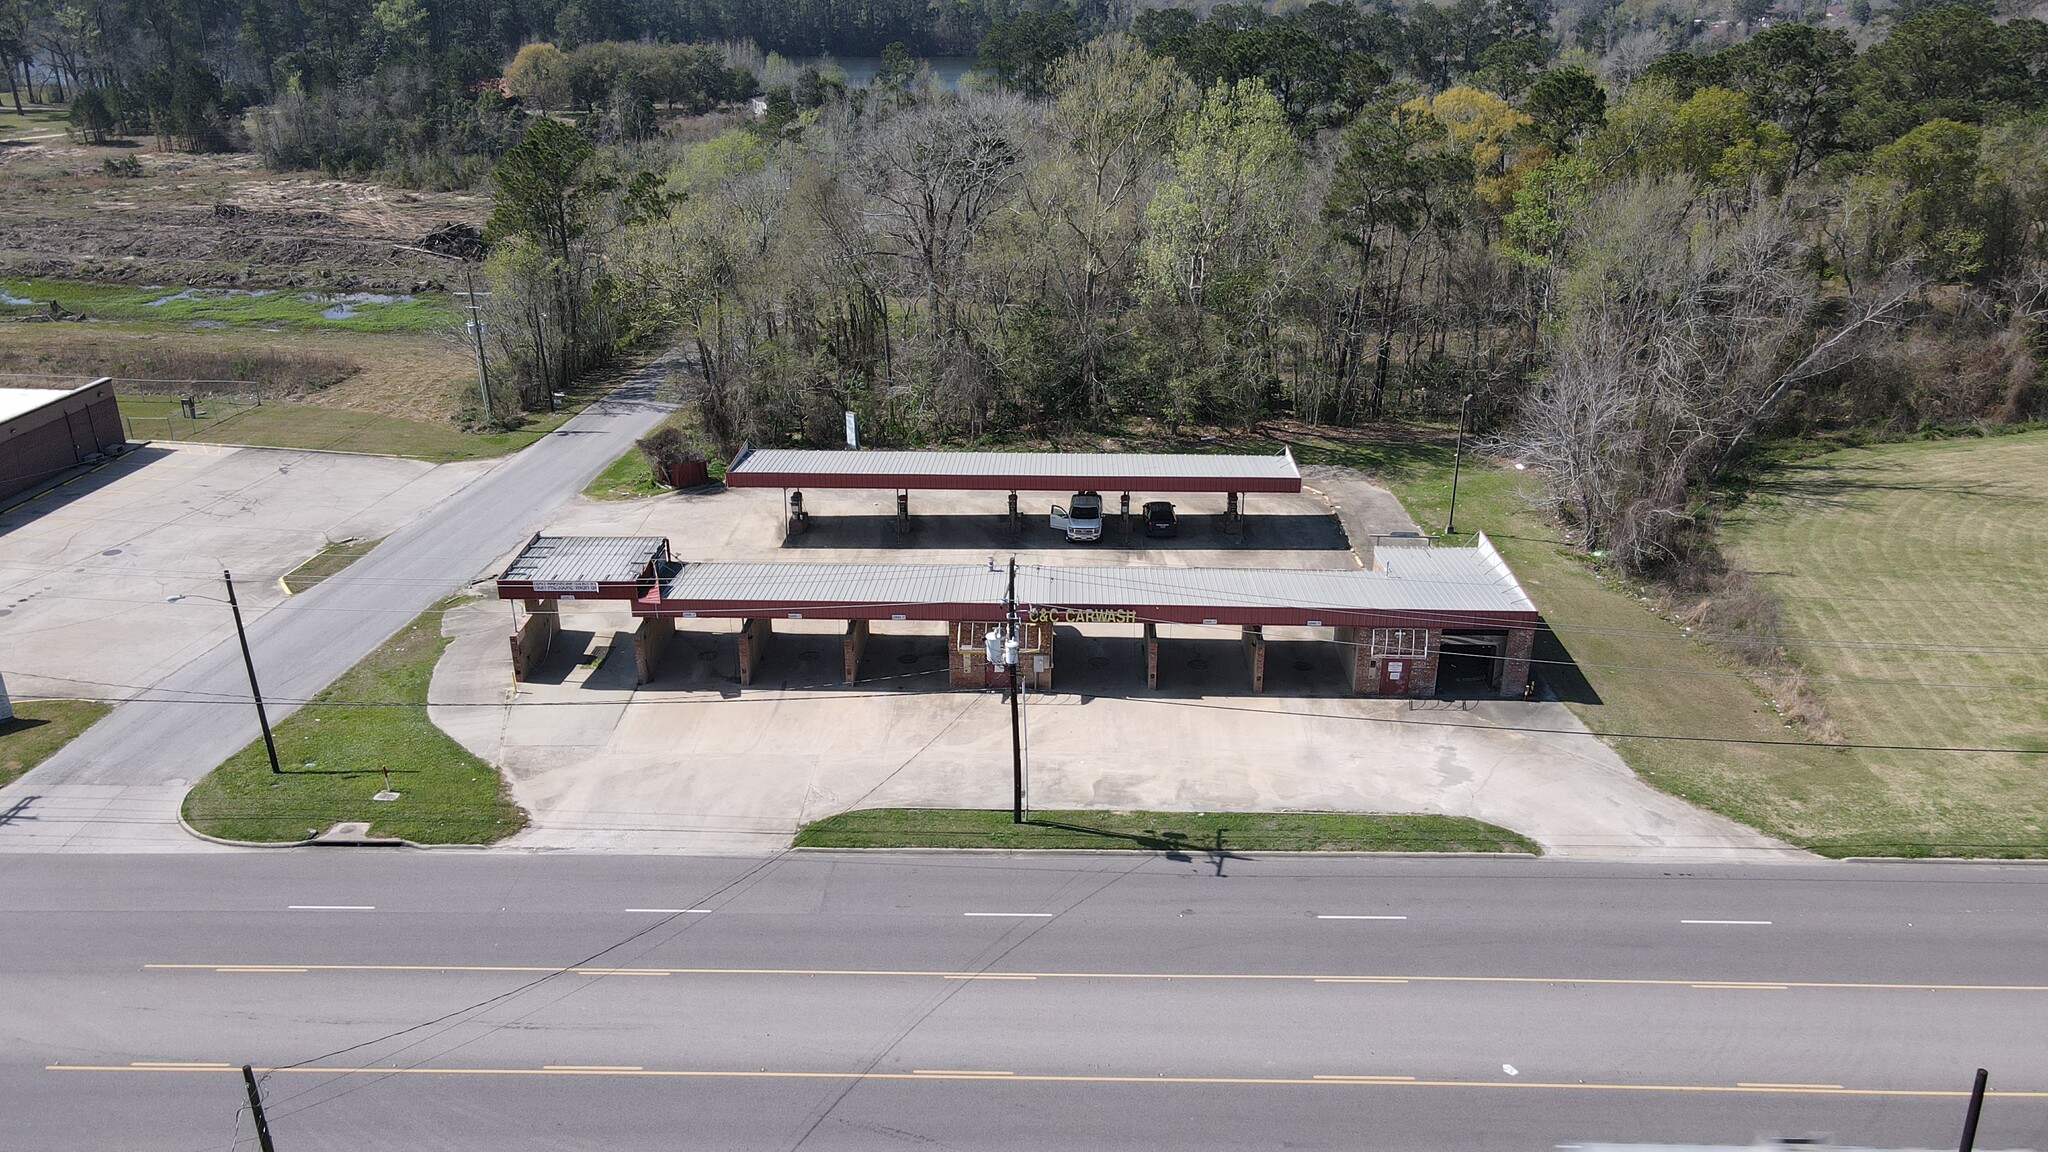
x: 694, y: 762
x: 88, y: 570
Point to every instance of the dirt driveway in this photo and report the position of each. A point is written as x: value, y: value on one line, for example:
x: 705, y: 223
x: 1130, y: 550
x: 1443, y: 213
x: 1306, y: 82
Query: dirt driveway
x: 693, y: 762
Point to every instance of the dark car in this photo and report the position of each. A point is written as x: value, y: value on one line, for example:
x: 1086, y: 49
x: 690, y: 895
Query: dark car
x: 1159, y: 519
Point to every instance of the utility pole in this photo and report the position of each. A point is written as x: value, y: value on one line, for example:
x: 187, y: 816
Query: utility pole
x: 256, y: 1107
x: 1976, y: 1110
x: 1457, y: 455
x: 1011, y: 645
x: 249, y: 662
x: 476, y: 331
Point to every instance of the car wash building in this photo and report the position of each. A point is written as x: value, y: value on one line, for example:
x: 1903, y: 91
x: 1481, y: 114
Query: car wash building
x: 1392, y: 623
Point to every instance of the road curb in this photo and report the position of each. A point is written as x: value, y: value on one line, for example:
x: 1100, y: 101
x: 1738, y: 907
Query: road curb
x: 308, y: 843
x: 1977, y: 860
x: 1191, y: 850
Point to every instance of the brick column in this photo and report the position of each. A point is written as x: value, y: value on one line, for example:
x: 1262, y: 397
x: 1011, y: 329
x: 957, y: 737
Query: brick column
x: 1035, y: 645
x: 855, y: 646
x: 753, y: 645
x: 650, y: 640
x: 966, y: 660
x: 1254, y: 640
x: 1514, y: 670
x: 531, y: 640
x: 1152, y: 656
x: 1351, y: 651
x: 1422, y: 669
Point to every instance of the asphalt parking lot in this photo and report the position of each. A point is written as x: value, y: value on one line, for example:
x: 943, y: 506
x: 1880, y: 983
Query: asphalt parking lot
x: 695, y: 762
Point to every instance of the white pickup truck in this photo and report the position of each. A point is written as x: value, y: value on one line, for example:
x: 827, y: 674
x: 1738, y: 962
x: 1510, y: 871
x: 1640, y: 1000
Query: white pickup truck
x: 1081, y: 520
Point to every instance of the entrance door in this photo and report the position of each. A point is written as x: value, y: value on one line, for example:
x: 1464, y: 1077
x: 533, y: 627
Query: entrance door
x: 1393, y: 677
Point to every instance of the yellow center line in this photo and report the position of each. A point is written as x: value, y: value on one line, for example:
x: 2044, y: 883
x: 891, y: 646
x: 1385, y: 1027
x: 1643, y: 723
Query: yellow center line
x: 1364, y: 1077
x: 591, y: 1068
x: 177, y: 1065
x: 959, y: 1072
x: 1766, y: 1084
x: 920, y: 973
x: 1078, y: 1078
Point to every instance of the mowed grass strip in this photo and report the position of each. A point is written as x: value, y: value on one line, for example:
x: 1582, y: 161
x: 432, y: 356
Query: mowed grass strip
x: 334, y: 751
x: 334, y: 557
x: 1160, y: 831
x: 1914, y: 578
x: 39, y: 728
x: 283, y: 424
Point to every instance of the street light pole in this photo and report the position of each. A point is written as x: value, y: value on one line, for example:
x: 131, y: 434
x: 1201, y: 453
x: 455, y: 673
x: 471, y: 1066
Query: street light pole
x: 1457, y: 457
x: 1011, y: 645
x: 249, y: 662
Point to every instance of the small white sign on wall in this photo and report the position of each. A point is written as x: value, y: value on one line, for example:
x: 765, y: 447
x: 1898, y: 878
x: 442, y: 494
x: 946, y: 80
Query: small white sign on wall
x: 852, y: 431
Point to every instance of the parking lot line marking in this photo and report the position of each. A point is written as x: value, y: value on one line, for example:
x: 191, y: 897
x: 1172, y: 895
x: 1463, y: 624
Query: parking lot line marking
x: 1767, y: 1084
x: 988, y: 976
x: 934, y: 974
x: 330, y: 908
x: 257, y: 968
x: 1724, y: 921
x: 666, y: 911
x: 171, y: 1065
x: 1018, y: 915
x: 622, y: 972
x: 1365, y: 1076
x: 592, y: 1068
x: 1335, y: 917
x: 1082, y: 1078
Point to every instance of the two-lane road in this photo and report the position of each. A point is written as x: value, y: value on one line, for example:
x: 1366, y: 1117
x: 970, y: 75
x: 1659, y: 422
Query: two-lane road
x: 839, y: 1001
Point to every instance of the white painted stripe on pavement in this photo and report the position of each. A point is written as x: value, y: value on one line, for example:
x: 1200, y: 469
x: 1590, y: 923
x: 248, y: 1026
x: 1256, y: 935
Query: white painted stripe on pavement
x: 1024, y: 915
x: 330, y: 908
x: 1724, y: 921
x: 668, y: 910
x: 1361, y: 917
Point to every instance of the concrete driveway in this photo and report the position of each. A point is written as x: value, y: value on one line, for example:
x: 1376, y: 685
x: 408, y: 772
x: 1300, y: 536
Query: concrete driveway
x: 692, y: 762
x: 87, y: 570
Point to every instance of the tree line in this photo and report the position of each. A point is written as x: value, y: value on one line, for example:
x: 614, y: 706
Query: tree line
x: 1216, y: 222
x: 1639, y: 241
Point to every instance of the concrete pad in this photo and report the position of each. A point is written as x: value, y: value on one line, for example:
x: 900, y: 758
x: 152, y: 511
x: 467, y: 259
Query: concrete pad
x: 87, y: 569
x: 693, y: 762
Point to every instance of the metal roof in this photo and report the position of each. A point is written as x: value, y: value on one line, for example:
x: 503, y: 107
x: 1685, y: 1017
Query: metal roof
x: 1013, y: 471
x: 1453, y: 582
x: 21, y: 401
x: 584, y: 559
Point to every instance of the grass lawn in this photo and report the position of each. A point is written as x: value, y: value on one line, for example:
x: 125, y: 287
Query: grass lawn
x: 336, y: 556
x: 1623, y: 669
x: 1919, y: 572
x: 1159, y: 831
x: 284, y: 424
x: 332, y: 755
x: 39, y: 728
x: 628, y: 478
